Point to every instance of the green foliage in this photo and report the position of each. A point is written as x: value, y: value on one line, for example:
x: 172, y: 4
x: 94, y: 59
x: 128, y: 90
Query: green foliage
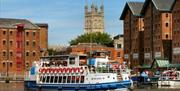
x: 52, y: 52
x: 99, y: 38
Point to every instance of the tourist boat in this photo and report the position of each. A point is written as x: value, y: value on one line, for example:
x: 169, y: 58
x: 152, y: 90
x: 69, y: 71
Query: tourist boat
x: 74, y: 72
x: 169, y: 78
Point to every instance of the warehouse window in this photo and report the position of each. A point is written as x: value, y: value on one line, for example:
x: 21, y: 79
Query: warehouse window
x: 34, y: 44
x: 11, y: 32
x: 4, y: 32
x: 27, y: 53
x: 11, y: 53
x: 27, y: 33
x: 166, y: 15
x: 4, y: 64
x: 4, y: 42
x: 27, y: 43
x: 166, y: 36
x: 167, y: 24
x: 34, y: 54
x: 34, y: 33
x: 118, y: 54
x: 4, y: 53
x: 11, y: 42
x: 10, y: 64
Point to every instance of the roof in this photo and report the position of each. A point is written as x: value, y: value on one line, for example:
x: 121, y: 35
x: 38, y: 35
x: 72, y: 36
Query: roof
x: 11, y: 23
x: 161, y: 5
x: 42, y: 24
x: 145, y: 66
x: 135, y: 8
x: 118, y: 36
x: 174, y: 65
x: 162, y: 63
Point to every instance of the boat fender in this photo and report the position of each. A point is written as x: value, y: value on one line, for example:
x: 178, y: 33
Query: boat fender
x: 81, y: 70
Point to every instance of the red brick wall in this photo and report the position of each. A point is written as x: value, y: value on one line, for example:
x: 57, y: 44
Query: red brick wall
x: 113, y: 53
x: 127, y: 37
x: 148, y: 35
x: 12, y: 48
x: 176, y: 32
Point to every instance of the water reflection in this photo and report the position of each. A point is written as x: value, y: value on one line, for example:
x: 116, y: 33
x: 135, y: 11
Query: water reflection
x: 14, y: 86
x: 19, y: 86
x: 155, y: 88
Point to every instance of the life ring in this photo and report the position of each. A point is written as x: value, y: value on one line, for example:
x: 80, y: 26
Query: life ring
x: 45, y: 70
x: 56, y: 70
x: 70, y: 70
x: 53, y: 70
x: 48, y: 70
x: 60, y: 70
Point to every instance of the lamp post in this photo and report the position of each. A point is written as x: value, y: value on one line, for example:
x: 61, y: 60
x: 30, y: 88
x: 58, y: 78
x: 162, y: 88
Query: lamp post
x: 7, y: 72
x: 7, y: 57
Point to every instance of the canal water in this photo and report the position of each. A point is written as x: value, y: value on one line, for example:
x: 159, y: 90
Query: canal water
x: 19, y: 86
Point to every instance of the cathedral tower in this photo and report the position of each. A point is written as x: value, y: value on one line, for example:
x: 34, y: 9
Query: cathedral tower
x: 94, y: 18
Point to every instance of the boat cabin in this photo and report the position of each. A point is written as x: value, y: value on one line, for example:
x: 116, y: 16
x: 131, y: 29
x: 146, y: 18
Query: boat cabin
x: 99, y: 59
x: 64, y: 60
x: 62, y: 69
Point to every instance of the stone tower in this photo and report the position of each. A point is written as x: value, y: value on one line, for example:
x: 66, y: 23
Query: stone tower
x: 94, y: 18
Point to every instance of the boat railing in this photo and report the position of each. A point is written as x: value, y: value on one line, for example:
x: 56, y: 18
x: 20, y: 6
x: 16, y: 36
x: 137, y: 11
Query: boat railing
x: 60, y: 79
x: 12, y: 76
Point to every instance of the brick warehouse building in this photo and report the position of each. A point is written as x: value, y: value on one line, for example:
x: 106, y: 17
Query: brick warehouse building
x: 157, y: 29
x: 85, y: 48
x: 43, y: 38
x: 133, y: 33
x: 21, y: 43
x: 156, y: 40
x: 176, y: 32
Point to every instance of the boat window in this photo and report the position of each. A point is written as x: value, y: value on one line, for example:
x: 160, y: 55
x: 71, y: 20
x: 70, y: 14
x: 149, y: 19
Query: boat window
x: 82, y: 60
x: 60, y: 79
x: 52, y: 79
x: 47, y: 79
x: 64, y: 79
x: 82, y: 79
x: 71, y: 61
x: 64, y: 63
x: 177, y: 74
x: 56, y: 79
x: 40, y: 78
x: 43, y: 65
x: 73, y: 79
x: 77, y: 79
x: 44, y: 79
x: 69, y: 79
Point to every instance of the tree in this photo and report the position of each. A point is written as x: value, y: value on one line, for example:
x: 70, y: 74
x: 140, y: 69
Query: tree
x: 99, y: 38
x: 52, y: 51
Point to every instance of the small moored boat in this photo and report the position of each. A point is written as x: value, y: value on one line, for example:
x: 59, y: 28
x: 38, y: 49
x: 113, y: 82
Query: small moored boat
x: 169, y: 78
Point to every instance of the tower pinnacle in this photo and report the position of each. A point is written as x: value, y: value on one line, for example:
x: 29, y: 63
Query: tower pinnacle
x: 94, y: 17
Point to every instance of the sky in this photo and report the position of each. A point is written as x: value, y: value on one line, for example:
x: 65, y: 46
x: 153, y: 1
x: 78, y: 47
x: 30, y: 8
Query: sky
x: 64, y: 17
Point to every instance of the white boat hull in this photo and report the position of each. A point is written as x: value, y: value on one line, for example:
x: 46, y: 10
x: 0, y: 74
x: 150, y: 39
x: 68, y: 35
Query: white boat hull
x: 169, y: 83
x: 91, y: 87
